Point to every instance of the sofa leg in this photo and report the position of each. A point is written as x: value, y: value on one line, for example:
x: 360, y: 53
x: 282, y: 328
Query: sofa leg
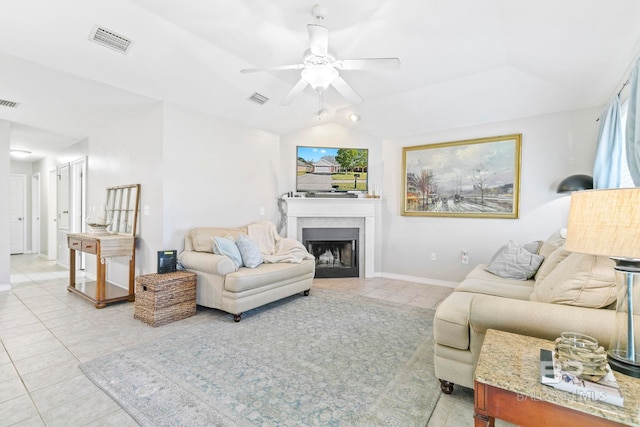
x: 237, y: 317
x: 306, y: 293
x: 446, y: 387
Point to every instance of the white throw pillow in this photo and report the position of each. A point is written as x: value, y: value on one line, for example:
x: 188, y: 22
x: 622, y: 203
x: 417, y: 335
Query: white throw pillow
x: 514, y: 262
x: 249, y: 250
x: 228, y: 247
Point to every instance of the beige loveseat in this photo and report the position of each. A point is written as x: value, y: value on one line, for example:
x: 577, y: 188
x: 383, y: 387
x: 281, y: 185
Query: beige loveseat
x: 284, y: 267
x: 569, y: 292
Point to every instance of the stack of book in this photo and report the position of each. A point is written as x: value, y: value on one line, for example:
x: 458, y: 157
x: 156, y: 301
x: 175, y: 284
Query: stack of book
x: 606, y: 389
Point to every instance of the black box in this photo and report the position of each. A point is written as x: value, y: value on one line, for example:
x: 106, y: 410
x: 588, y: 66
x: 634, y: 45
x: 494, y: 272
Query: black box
x: 167, y: 261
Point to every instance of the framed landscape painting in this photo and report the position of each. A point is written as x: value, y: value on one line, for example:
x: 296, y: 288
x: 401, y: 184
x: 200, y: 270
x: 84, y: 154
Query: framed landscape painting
x: 471, y: 178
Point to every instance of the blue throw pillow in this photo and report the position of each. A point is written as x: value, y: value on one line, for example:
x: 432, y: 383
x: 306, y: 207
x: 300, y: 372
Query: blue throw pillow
x: 228, y: 247
x: 249, y: 250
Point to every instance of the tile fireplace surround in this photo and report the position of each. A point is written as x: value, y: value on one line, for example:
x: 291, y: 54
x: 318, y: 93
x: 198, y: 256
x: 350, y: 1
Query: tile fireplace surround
x: 336, y: 212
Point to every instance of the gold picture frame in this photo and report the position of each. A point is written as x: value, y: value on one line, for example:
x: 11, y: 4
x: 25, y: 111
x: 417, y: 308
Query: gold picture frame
x: 475, y: 178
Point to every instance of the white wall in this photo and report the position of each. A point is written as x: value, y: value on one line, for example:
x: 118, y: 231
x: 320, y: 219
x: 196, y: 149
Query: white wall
x: 128, y: 149
x: 553, y: 147
x: 215, y: 174
x: 5, y: 214
x: 199, y: 170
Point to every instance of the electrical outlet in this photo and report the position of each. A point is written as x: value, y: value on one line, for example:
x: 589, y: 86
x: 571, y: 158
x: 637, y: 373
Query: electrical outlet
x: 433, y: 256
x: 465, y: 257
x: 261, y: 211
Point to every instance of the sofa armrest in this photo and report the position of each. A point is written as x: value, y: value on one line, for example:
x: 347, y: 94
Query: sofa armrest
x: 207, y: 262
x: 537, y: 319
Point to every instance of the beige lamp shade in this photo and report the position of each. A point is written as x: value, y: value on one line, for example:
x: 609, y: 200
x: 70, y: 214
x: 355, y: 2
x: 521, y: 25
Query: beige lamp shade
x: 605, y: 222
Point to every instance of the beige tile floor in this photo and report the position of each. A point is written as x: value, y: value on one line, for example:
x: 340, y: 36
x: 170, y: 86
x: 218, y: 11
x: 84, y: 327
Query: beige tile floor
x: 45, y: 332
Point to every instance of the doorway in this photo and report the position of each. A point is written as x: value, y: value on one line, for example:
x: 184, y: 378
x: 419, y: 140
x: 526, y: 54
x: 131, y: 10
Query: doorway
x: 18, y: 209
x: 35, y: 213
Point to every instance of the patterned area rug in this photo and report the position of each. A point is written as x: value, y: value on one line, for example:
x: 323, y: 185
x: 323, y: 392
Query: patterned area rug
x: 329, y: 359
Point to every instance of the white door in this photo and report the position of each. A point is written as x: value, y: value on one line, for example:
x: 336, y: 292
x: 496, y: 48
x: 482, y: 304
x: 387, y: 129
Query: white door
x: 52, y: 213
x: 35, y: 213
x: 18, y: 230
x: 64, y: 207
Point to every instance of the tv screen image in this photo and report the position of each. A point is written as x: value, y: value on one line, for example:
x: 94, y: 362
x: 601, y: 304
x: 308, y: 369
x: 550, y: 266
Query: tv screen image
x: 327, y: 169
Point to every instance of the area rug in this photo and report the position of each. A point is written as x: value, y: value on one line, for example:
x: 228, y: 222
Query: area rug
x: 328, y: 359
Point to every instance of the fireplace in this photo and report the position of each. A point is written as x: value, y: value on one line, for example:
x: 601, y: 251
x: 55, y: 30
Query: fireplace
x: 308, y: 212
x: 335, y: 250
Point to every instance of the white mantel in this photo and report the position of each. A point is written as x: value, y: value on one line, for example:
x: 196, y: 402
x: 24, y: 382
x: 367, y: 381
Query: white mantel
x: 318, y: 207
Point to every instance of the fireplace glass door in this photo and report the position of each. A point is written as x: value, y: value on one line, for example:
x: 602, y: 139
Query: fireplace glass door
x: 335, y: 250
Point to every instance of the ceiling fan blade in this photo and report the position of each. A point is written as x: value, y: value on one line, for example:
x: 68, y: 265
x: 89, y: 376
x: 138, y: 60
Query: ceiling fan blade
x: 299, y: 87
x: 318, y: 39
x: 345, y: 90
x: 368, y: 64
x: 278, y: 67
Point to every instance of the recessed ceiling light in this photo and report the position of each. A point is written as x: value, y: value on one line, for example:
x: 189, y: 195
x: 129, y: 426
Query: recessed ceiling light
x: 354, y: 117
x: 19, y: 153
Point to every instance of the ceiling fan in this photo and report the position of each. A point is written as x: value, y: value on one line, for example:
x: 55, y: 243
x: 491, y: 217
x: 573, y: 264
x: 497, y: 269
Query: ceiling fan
x: 320, y: 65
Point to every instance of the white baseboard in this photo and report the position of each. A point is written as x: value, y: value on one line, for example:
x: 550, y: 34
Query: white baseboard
x: 5, y: 288
x: 422, y: 280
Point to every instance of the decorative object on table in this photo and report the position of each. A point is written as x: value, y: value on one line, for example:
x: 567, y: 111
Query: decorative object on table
x: 552, y: 373
x: 99, y: 218
x: 165, y: 298
x: 607, y: 222
x: 167, y: 261
x: 581, y: 355
x: 575, y: 183
x: 477, y: 178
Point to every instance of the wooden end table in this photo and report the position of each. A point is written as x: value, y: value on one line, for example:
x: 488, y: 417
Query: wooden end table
x: 507, y: 386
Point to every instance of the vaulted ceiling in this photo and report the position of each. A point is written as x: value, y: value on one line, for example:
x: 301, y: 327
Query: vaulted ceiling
x: 464, y: 62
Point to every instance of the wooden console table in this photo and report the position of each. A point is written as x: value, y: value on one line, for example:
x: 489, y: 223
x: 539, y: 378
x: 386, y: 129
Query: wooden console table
x: 103, y: 246
x: 507, y: 386
x: 119, y: 241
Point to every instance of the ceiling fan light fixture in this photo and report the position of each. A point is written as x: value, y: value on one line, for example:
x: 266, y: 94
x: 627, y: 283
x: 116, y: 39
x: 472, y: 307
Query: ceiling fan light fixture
x: 319, y: 76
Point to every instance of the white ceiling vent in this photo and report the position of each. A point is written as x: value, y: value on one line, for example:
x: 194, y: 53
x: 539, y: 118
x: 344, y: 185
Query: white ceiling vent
x: 110, y: 39
x: 9, y: 104
x: 258, y: 98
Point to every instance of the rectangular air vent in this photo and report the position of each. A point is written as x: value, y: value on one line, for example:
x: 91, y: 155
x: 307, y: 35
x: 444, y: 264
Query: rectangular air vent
x: 258, y: 98
x: 110, y: 39
x: 10, y: 104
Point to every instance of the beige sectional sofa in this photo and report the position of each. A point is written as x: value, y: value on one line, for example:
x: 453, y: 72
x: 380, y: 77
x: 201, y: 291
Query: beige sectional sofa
x: 284, y: 268
x: 569, y: 292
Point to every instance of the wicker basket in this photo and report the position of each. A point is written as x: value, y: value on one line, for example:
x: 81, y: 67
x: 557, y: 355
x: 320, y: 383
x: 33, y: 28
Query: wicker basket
x: 165, y: 298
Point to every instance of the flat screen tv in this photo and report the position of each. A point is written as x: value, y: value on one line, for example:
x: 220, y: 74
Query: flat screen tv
x: 326, y: 169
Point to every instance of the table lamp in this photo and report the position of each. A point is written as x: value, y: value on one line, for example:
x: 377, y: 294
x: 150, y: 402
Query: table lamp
x: 607, y: 223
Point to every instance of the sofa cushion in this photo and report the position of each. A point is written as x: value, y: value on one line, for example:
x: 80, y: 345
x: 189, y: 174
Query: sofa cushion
x: 550, y: 263
x: 229, y: 248
x: 249, y: 250
x: 581, y: 280
x: 202, y: 237
x: 514, y: 289
x: 515, y: 262
x: 552, y: 243
x: 251, y: 278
